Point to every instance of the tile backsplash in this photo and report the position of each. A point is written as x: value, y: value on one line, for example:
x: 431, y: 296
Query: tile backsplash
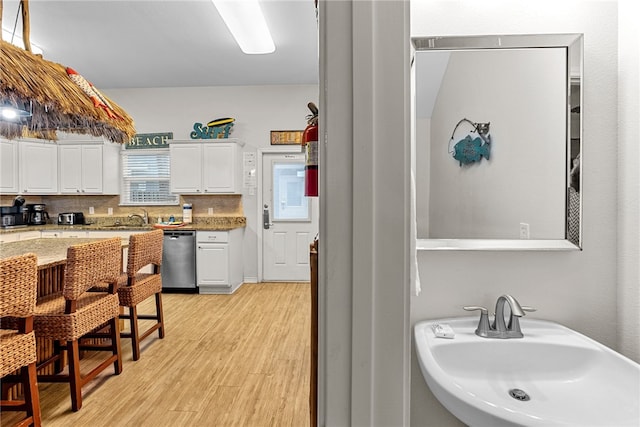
x: 221, y: 205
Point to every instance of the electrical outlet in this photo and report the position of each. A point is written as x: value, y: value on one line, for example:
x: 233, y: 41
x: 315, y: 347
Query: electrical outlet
x: 109, y: 211
x: 524, y: 230
x: 210, y: 211
x: 91, y: 210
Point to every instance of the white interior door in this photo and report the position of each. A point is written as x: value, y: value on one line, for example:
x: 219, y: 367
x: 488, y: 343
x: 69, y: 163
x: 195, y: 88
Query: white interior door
x: 289, y: 219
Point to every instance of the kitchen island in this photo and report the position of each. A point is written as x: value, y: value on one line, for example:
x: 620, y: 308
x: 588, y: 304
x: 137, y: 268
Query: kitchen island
x: 52, y: 257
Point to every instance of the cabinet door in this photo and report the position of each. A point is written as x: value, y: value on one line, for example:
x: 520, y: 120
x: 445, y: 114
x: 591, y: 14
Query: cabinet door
x: 70, y: 164
x: 91, y: 169
x: 212, y: 261
x: 29, y: 235
x: 111, y: 169
x: 38, y: 167
x: 80, y: 168
x: 9, y: 167
x: 9, y: 237
x: 219, y: 166
x: 186, y: 168
x: 51, y: 234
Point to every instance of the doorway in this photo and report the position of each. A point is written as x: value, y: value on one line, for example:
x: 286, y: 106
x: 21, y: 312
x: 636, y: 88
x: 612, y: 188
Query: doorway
x: 289, y: 218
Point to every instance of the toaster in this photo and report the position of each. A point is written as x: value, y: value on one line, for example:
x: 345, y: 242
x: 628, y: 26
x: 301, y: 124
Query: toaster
x: 71, y: 218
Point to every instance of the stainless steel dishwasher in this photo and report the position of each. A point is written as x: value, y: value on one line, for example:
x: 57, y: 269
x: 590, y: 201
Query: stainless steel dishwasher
x: 179, y: 261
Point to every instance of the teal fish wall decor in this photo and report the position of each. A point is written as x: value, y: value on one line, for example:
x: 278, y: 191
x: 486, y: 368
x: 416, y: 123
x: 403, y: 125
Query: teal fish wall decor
x: 469, y: 150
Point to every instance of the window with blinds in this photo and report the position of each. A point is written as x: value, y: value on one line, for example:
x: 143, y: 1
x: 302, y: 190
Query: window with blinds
x: 145, y: 178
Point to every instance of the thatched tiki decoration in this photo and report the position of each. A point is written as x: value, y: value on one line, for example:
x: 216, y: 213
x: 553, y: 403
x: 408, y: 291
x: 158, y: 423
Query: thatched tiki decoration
x: 59, y: 98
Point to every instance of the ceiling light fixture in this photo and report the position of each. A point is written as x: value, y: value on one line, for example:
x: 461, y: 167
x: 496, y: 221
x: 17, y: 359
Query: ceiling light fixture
x: 245, y: 21
x: 17, y: 111
x: 15, y: 40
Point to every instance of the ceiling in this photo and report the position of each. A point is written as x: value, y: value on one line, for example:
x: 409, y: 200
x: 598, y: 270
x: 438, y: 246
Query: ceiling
x: 165, y: 43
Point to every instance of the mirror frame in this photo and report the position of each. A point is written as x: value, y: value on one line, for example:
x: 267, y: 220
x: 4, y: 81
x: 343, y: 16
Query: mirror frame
x: 573, y: 43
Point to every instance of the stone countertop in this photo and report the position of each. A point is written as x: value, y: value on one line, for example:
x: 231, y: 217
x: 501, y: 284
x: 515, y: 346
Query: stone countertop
x: 221, y: 223
x: 49, y: 251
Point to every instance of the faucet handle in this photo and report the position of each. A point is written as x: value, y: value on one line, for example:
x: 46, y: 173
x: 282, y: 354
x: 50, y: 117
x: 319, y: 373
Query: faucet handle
x: 476, y: 307
x: 483, y: 328
x: 527, y: 308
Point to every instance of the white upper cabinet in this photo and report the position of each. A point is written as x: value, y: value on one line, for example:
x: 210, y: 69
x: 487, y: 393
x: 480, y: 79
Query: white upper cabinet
x: 38, y: 167
x: 205, y: 168
x: 9, y: 178
x: 80, y: 169
x: 186, y: 168
x: 44, y: 167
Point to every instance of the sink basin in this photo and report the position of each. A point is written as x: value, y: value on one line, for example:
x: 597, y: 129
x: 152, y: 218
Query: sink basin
x: 553, y: 376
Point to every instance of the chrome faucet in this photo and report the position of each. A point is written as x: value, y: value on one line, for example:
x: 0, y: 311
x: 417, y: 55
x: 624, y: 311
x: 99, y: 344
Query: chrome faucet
x: 144, y: 217
x: 498, y: 328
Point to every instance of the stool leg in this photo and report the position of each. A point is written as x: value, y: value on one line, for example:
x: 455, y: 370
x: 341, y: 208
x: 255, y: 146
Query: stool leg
x: 160, y: 315
x: 31, y: 397
x: 75, y: 381
x: 135, y: 338
x: 58, y: 366
x: 115, y: 345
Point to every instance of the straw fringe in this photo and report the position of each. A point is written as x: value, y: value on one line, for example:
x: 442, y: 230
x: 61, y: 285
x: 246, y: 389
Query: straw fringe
x: 58, y: 103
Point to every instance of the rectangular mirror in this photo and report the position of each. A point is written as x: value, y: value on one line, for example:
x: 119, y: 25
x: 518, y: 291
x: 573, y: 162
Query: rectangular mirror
x: 497, y: 141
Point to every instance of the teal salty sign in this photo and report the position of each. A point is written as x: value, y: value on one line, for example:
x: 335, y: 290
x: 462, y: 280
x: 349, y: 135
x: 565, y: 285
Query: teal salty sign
x: 150, y: 140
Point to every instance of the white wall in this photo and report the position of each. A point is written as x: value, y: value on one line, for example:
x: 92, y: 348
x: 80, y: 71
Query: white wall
x: 523, y: 95
x: 257, y: 110
x: 629, y: 180
x: 577, y: 289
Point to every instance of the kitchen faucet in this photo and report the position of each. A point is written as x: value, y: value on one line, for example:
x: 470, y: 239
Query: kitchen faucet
x: 498, y: 328
x: 144, y: 217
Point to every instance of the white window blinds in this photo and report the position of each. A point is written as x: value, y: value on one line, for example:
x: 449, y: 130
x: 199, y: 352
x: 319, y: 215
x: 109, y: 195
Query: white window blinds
x: 145, y: 178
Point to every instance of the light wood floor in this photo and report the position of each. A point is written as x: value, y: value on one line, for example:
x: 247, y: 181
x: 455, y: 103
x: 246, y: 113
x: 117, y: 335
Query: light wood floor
x: 226, y: 360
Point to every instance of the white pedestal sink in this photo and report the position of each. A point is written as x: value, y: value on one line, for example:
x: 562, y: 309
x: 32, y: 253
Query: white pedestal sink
x: 554, y: 376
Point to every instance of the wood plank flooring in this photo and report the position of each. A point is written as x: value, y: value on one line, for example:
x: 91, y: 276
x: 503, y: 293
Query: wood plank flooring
x: 226, y: 360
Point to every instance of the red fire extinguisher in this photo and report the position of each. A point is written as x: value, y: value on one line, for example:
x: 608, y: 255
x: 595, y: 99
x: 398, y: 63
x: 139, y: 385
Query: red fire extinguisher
x: 310, y: 146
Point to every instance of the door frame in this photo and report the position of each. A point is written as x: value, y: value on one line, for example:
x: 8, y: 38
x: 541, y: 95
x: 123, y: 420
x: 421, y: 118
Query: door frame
x: 286, y: 149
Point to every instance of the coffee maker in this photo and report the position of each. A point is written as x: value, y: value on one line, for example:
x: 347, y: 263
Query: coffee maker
x: 37, y: 214
x: 14, y: 215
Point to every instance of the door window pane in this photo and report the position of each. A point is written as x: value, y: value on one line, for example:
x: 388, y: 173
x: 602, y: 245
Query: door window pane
x: 289, y: 201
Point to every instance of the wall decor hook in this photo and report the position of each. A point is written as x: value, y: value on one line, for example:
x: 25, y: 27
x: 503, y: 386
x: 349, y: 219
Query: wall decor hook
x: 481, y: 128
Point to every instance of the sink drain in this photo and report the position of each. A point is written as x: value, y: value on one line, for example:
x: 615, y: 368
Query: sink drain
x: 518, y: 394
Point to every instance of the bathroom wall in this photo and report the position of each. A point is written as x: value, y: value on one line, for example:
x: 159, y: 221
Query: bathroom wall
x: 577, y: 289
x: 629, y: 180
x: 257, y: 110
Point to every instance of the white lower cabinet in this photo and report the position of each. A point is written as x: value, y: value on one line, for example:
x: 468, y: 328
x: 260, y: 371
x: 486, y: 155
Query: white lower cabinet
x: 9, y: 237
x: 29, y: 235
x: 52, y: 234
x: 219, y: 261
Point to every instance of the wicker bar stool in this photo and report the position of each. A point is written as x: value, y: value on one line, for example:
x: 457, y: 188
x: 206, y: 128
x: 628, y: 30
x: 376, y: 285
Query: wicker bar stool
x: 72, y: 314
x: 18, y: 288
x: 134, y: 287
